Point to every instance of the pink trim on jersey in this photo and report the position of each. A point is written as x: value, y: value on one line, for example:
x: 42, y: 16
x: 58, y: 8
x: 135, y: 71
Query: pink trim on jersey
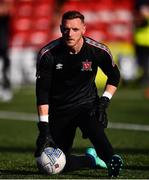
x: 101, y: 46
x: 49, y: 47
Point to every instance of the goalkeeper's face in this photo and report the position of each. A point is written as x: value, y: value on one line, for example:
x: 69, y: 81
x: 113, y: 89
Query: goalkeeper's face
x: 72, y: 32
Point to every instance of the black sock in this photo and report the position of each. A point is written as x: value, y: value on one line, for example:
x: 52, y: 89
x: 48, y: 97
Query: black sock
x: 75, y: 162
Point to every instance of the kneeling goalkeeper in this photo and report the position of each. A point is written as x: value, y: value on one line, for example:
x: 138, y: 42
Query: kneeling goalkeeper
x: 67, y: 96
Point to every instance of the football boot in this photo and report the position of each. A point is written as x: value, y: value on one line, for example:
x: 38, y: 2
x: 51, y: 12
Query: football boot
x: 115, y: 165
x: 97, y: 162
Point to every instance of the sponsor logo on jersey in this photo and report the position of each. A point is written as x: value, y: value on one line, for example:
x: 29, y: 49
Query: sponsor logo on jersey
x: 59, y: 66
x: 86, y: 66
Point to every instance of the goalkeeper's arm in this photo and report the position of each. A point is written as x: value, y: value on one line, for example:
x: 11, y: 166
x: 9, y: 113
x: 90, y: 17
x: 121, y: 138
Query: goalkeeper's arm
x: 44, y: 138
x: 43, y: 86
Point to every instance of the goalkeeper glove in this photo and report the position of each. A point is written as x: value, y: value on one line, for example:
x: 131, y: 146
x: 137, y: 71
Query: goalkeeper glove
x: 103, y: 105
x: 44, y: 138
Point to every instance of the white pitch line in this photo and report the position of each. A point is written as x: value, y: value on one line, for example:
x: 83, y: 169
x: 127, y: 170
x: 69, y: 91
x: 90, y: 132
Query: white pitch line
x: 128, y: 126
x: 18, y: 116
x: 10, y: 115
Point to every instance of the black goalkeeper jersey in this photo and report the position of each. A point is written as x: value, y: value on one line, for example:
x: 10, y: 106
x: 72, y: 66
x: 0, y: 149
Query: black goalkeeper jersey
x: 66, y: 81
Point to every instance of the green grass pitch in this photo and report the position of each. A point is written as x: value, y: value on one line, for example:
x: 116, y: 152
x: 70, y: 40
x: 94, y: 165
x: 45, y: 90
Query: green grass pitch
x: 17, y: 138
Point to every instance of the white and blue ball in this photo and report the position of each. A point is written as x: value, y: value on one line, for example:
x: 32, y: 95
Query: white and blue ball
x: 51, y: 161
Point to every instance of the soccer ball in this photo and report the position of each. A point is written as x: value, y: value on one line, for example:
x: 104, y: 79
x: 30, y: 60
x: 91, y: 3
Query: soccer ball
x: 51, y: 161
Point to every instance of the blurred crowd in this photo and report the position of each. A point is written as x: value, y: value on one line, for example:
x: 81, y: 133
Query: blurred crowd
x: 20, y: 40
x: 141, y: 40
x: 5, y: 15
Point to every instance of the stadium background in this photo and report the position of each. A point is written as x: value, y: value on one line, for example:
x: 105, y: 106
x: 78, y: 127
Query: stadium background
x: 36, y: 22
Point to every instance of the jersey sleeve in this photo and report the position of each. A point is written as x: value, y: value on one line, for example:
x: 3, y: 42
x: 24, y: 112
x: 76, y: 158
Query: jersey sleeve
x: 44, y: 78
x: 109, y: 68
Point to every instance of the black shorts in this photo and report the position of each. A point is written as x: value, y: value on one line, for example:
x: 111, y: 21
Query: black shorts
x: 63, y: 127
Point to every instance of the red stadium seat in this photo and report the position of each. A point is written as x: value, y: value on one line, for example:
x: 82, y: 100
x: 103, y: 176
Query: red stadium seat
x: 42, y: 23
x: 39, y: 38
x: 22, y: 24
x: 31, y: 22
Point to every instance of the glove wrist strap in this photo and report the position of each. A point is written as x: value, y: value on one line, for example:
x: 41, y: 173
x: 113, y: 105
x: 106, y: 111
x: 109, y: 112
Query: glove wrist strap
x: 44, y: 118
x: 107, y: 94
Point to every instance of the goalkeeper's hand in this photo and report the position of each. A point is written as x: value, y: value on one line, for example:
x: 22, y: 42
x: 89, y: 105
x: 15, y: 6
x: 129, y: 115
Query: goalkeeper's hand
x: 44, y: 138
x: 103, y: 105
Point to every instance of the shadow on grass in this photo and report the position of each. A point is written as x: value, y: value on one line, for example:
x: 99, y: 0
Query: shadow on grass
x: 142, y: 168
x: 86, y: 174
x: 17, y: 149
x: 31, y: 149
x: 83, y: 174
x: 132, y: 151
x: 17, y: 172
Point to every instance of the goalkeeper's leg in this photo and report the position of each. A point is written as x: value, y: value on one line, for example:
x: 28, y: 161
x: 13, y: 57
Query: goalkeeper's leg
x: 95, y: 132
x: 63, y: 130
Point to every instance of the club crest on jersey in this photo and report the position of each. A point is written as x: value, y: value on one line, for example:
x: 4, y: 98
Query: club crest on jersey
x: 86, y: 66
